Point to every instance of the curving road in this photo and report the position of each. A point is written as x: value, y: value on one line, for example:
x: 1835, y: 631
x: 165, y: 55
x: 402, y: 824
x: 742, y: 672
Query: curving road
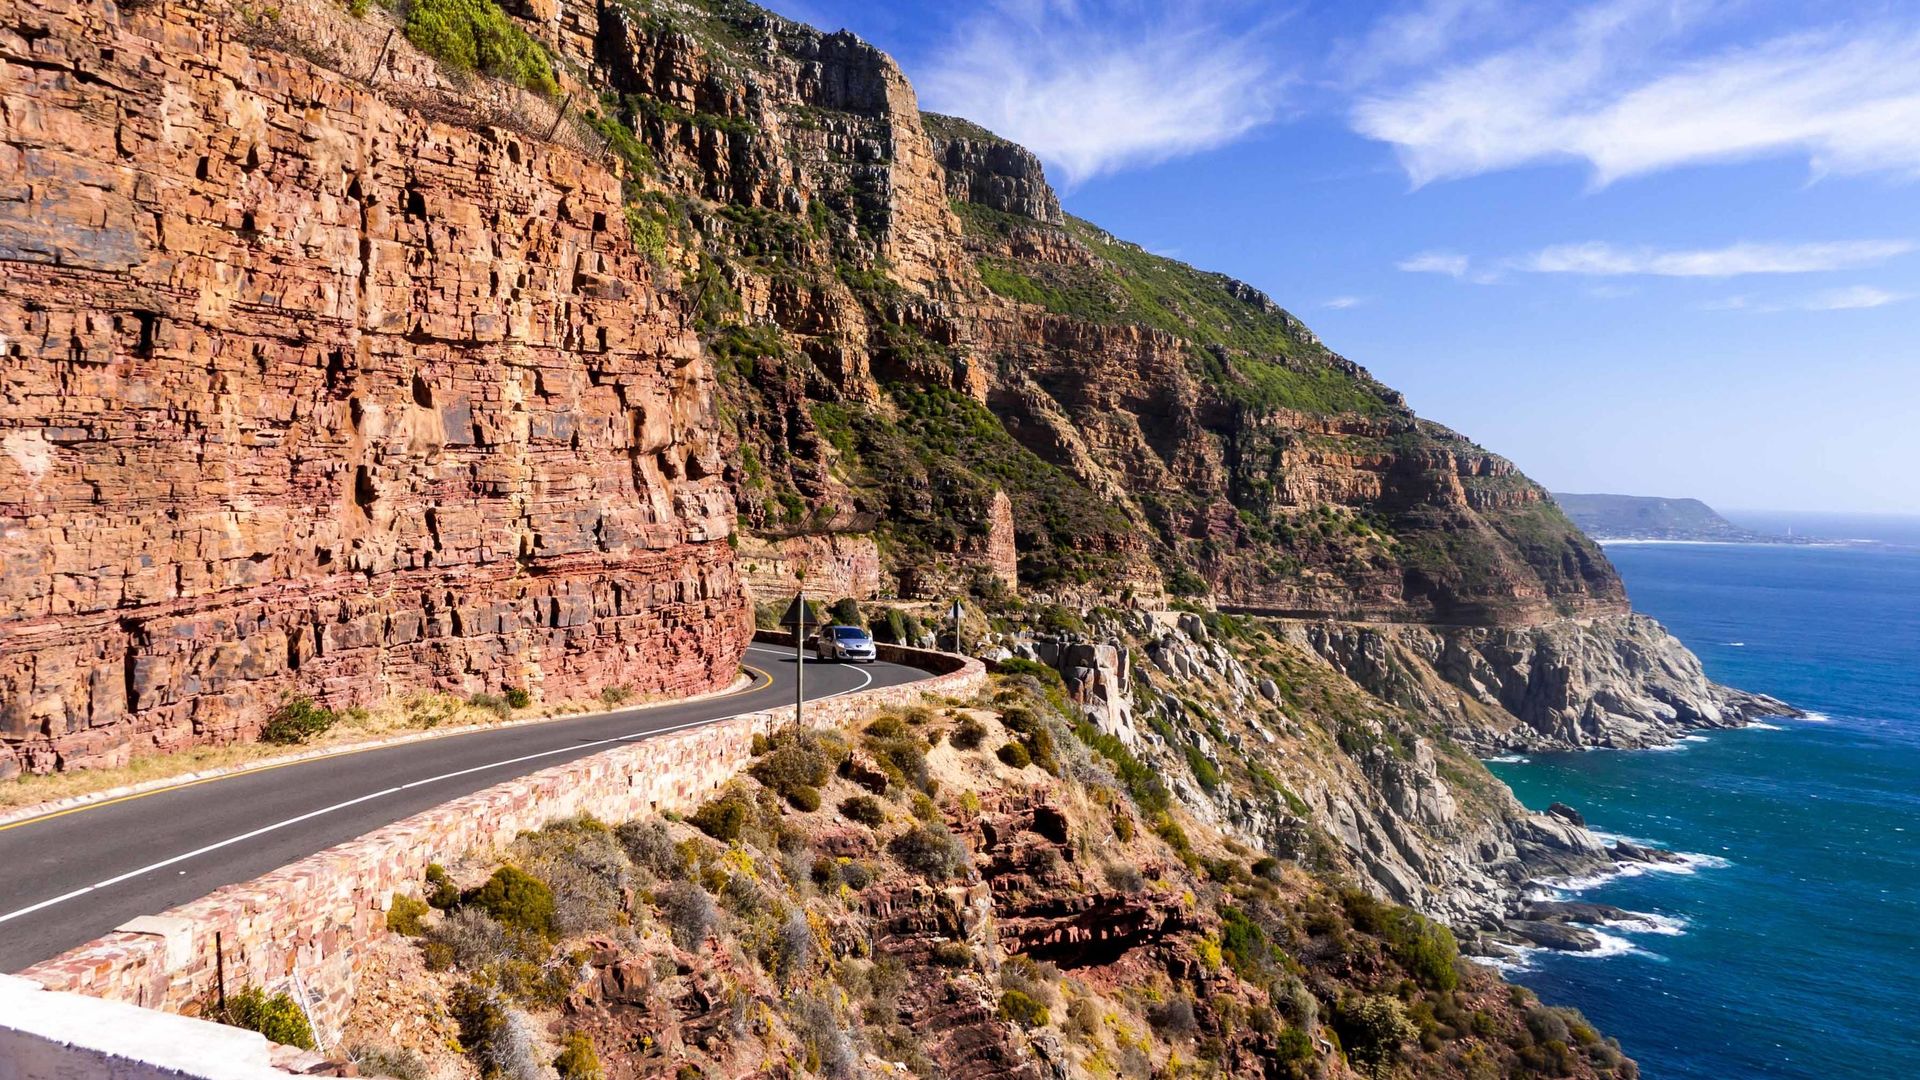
x: 71, y: 876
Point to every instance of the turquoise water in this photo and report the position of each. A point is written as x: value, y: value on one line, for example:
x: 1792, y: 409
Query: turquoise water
x: 1798, y: 951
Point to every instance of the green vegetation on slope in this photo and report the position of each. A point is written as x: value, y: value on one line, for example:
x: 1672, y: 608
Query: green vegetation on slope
x: 476, y: 35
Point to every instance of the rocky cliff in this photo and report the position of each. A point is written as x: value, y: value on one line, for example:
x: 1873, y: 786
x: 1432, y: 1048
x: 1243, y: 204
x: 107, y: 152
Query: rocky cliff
x: 908, y: 326
x: 304, y: 389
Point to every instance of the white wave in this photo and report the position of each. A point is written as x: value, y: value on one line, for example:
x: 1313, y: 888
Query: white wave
x: 1610, y: 945
x: 1670, y: 748
x: 1817, y: 718
x: 1762, y: 725
x: 1614, y: 838
x: 1510, y: 759
x: 1736, y: 644
x: 1691, y: 862
x: 1646, y: 922
x: 1520, y: 960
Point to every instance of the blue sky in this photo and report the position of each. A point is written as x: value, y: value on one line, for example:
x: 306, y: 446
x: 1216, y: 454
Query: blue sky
x: 1666, y: 247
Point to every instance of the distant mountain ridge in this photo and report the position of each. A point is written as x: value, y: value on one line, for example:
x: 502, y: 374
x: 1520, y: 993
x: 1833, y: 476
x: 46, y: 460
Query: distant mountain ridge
x: 1647, y: 517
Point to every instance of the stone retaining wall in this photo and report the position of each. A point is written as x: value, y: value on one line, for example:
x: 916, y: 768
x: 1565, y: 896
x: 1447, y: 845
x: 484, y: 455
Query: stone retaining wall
x: 315, y: 916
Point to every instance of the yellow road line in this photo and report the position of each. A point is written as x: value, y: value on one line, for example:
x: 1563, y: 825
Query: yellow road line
x: 257, y: 769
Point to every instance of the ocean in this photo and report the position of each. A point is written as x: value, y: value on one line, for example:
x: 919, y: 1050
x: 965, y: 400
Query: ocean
x: 1791, y: 946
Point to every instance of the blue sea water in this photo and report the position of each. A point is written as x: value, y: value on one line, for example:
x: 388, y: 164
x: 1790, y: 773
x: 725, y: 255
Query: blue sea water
x: 1798, y: 946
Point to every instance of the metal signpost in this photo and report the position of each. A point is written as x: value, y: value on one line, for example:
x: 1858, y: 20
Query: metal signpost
x: 954, y: 614
x: 797, y: 617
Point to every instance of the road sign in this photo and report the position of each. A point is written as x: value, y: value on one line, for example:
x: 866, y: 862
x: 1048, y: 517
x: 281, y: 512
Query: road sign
x: 798, y: 616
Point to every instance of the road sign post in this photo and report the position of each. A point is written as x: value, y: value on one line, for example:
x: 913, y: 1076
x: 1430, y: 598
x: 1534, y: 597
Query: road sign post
x: 797, y: 617
x: 954, y: 614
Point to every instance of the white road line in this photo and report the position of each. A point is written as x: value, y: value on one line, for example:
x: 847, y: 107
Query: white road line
x: 866, y: 680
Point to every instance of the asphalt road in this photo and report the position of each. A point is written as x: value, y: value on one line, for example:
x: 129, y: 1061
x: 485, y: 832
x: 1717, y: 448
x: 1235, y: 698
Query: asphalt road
x: 70, y: 877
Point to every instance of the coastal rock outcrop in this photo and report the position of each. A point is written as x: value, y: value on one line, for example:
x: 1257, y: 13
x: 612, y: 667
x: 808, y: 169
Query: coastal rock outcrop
x: 1613, y: 681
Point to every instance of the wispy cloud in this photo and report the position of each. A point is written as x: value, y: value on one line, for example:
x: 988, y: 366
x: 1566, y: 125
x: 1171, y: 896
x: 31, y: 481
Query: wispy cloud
x: 1436, y: 262
x: 1607, y: 260
x: 1092, y: 87
x: 1855, y: 298
x: 1342, y: 303
x: 1617, y: 87
x: 1850, y: 298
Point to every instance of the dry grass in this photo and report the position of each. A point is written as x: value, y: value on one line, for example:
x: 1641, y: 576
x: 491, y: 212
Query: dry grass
x: 410, y: 715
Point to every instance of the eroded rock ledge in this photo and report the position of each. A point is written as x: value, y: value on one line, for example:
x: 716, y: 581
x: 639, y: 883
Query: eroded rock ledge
x: 1613, y: 681
x: 301, y: 390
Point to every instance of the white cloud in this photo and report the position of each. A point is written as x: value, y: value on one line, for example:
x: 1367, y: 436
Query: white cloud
x: 1096, y: 87
x: 1853, y: 298
x: 1436, y: 262
x: 1603, y: 259
x: 1342, y: 303
x: 1615, y: 87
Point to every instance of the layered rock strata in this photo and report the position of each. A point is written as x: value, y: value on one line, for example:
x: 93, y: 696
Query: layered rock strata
x: 303, y: 391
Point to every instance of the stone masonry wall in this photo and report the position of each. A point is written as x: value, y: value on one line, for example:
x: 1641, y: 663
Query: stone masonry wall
x: 315, y: 916
x: 303, y: 391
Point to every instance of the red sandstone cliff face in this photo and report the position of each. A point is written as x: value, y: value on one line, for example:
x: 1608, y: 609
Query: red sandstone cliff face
x: 300, y: 390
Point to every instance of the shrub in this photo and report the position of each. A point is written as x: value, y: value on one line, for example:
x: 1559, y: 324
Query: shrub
x: 930, y: 851
x: 517, y: 900
x: 724, y: 818
x: 846, y: 611
x: 1244, y: 943
x: 1142, y: 782
x: 864, y: 809
x: 1174, y: 1017
x: 583, y: 863
x: 829, y: 1051
x: 650, y: 846
x: 1122, y: 877
x: 1547, y: 1025
x: 396, y: 1062
x: 1425, y: 947
x: 805, y: 799
x: 468, y: 940
x: 442, y: 893
x: 578, y: 1060
x: 475, y: 35
x: 1014, y: 754
x: 968, y: 734
x: 1019, y: 1007
x: 900, y: 751
x: 519, y: 697
x: 404, y: 915
x: 1293, y: 1046
x: 499, y: 1037
x: 297, y: 720
x: 953, y: 954
x: 278, y: 1017
x: 797, y: 759
x: 611, y: 696
x: 1019, y: 666
x: 492, y: 703
x: 1202, y: 769
x: 689, y: 913
x: 1373, y: 1030
x: 795, y: 947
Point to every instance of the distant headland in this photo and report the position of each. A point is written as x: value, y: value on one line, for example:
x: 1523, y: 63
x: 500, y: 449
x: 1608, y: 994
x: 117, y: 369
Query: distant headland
x: 1645, y: 517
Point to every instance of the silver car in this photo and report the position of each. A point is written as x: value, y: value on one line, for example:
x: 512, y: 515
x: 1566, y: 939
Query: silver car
x: 845, y: 643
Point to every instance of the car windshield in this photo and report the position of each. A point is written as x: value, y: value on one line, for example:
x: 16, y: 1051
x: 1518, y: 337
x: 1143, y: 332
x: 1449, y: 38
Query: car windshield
x: 849, y: 633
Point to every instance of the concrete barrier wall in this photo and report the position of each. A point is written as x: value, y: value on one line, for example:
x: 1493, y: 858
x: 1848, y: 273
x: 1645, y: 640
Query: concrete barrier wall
x: 317, y: 915
x: 51, y: 1036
